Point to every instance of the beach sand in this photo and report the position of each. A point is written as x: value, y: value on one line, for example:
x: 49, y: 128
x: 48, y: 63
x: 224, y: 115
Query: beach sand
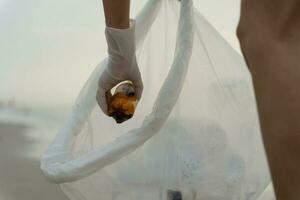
x: 20, y: 175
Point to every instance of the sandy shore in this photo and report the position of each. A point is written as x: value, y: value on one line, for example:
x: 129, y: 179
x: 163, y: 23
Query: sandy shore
x: 20, y: 176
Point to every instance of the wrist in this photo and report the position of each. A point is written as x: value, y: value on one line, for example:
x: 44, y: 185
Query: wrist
x: 121, y: 42
x: 118, y: 23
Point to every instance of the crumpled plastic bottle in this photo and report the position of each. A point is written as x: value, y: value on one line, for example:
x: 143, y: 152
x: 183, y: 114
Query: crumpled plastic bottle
x: 123, y: 102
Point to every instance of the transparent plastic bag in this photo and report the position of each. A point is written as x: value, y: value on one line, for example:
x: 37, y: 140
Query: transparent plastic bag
x: 195, y: 132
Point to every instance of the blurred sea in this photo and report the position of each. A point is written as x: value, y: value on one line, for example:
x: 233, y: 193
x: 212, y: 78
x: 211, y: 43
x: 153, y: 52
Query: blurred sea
x: 25, y: 134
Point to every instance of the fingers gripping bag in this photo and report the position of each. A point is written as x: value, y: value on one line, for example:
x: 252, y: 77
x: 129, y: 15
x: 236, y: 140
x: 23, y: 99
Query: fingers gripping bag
x: 194, y: 135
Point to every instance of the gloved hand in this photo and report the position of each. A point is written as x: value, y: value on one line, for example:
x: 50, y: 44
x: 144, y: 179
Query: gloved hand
x: 121, y: 64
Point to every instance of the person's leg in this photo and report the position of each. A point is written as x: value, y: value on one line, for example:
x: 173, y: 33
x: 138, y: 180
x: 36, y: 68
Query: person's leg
x: 269, y: 34
x: 117, y: 13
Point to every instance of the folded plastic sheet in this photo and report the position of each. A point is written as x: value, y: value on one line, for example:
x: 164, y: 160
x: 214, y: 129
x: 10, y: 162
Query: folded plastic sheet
x: 195, y: 131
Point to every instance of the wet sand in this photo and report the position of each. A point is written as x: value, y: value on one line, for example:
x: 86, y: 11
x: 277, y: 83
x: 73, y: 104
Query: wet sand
x: 20, y: 176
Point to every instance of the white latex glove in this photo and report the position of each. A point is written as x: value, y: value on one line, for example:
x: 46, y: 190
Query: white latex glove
x: 121, y: 64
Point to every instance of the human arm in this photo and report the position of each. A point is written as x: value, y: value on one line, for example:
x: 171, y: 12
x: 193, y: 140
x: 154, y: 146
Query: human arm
x: 121, y: 62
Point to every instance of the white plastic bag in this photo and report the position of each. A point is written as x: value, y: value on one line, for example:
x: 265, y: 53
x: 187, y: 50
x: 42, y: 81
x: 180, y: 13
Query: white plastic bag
x: 195, y: 132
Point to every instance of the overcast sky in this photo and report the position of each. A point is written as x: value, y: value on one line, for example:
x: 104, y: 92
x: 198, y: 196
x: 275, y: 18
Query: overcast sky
x: 61, y: 41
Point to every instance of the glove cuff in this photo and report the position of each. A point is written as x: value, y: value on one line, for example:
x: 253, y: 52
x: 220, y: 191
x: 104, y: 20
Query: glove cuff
x: 121, y: 42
